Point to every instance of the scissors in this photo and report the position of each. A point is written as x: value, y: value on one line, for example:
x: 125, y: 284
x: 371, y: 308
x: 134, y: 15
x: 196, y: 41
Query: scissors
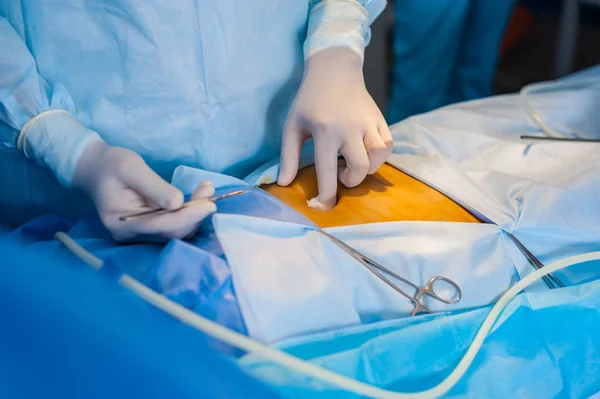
x: 377, y: 270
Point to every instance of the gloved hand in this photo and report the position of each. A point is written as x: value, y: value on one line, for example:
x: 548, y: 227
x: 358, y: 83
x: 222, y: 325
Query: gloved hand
x: 120, y: 183
x: 334, y: 107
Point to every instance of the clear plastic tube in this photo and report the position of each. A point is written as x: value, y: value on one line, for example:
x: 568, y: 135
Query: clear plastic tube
x: 536, y: 88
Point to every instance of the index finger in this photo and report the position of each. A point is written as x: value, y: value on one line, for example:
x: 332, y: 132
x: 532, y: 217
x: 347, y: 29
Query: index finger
x: 326, y: 164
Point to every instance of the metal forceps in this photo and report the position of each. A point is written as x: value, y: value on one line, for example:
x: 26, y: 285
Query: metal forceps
x: 563, y: 139
x: 378, y: 271
x: 550, y: 279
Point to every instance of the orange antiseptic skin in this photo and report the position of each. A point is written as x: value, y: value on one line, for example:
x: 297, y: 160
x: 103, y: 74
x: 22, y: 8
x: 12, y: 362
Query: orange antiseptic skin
x: 389, y: 195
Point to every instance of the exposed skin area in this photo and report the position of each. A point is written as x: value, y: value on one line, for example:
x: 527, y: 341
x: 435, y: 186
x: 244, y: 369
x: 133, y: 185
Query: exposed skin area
x: 388, y: 195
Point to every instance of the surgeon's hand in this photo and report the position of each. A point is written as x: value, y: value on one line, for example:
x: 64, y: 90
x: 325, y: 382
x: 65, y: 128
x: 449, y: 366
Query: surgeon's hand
x: 334, y: 107
x: 120, y: 183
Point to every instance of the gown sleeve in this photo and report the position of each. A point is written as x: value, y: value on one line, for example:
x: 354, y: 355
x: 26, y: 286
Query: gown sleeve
x: 35, y: 116
x: 340, y: 23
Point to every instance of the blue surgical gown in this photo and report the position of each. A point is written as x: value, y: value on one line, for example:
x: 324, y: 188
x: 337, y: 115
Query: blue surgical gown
x: 201, y: 83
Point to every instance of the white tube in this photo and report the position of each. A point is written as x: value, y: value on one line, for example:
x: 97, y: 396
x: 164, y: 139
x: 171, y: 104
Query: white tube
x: 535, y: 88
x: 240, y: 341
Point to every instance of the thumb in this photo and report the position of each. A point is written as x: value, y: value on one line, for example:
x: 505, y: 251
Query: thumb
x: 143, y: 180
x: 293, y: 139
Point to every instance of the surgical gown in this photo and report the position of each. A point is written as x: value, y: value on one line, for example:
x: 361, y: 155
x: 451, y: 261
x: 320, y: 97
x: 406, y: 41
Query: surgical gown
x: 206, y: 84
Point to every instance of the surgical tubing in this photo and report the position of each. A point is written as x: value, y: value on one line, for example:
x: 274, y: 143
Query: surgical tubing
x: 240, y: 341
x: 534, y: 88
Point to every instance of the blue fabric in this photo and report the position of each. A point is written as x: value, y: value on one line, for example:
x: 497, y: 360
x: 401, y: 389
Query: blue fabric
x: 295, y: 271
x: 67, y: 333
x: 207, y: 85
x: 546, y: 346
x: 545, y: 193
x: 194, y: 274
x: 444, y: 51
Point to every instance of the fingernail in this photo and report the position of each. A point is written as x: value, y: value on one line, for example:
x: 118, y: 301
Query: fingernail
x: 314, y: 203
x: 318, y: 204
x: 282, y: 182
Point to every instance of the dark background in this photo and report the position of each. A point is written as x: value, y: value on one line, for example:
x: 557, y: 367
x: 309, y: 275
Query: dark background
x: 532, y: 56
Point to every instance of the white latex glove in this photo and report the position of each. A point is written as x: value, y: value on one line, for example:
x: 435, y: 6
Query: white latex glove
x: 120, y: 183
x: 334, y: 107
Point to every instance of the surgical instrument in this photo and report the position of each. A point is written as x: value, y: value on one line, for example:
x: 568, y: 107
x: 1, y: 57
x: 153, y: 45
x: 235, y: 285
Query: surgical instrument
x: 567, y: 139
x: 550, y: 279
x: 377, y: 270
x: 186, y: 205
